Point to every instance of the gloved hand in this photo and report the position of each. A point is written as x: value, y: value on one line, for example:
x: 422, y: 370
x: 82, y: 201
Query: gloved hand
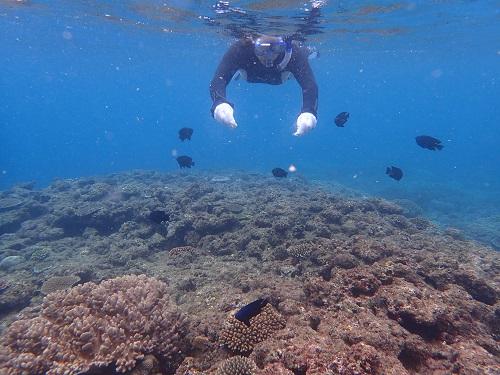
x: 318, y: 3
x: 223, y: 113
x: 305, y: 122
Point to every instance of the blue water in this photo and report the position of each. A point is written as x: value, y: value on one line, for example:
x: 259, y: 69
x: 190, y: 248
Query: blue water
x: 90, y: 88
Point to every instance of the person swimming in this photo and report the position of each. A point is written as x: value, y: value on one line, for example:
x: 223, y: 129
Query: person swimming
x: 266, y: 59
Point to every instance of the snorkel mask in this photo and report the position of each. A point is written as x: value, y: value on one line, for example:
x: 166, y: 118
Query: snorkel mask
x: 269, y: 48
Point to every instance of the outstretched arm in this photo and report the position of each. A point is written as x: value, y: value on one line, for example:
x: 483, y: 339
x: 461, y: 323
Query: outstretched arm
x: 225, y: 71
x: 304, y: 75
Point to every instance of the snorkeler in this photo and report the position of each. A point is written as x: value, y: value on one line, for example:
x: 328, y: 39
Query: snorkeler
x: 266, y: 59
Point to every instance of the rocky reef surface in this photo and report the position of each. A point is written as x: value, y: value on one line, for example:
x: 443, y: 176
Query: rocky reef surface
x: 355, y: 285
x: 472, y: 212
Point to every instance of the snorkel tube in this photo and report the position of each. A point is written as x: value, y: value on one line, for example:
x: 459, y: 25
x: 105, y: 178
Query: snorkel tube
x: 288, y: 54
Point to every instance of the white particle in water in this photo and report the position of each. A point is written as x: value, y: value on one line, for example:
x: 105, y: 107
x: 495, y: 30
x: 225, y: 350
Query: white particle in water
x: 67, y: 35
x: 436, y: 73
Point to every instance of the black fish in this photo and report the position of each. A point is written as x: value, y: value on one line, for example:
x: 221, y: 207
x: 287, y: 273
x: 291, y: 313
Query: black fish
x: 249, y: 311
x: 394, y: 172
x: 185, y: 161
x: 278, y: 172
x: 159, y: 217
x: 429, y: 142
x: 185, y: 133
x: 341, y: 119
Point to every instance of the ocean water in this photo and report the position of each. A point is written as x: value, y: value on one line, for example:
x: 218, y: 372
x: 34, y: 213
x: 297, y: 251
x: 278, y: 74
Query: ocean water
x: 223, y: 268
x: 94, y: 87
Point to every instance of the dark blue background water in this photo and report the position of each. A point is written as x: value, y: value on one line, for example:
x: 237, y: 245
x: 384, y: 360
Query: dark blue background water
x: 82, y: 93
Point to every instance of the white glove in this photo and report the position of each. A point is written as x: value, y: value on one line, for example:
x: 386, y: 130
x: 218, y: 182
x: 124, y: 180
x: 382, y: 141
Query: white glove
x: 318, y: 3
x: 305, y: 122
x: 223, y: 113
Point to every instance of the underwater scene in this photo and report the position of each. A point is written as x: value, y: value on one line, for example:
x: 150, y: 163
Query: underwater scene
x: 270, y: 187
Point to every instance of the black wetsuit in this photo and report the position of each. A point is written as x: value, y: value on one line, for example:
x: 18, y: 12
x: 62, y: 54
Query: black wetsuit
x: 241, y: 56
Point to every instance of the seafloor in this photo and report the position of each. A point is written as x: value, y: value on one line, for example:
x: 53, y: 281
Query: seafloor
x: 474, y: 212
x: 355, y: 286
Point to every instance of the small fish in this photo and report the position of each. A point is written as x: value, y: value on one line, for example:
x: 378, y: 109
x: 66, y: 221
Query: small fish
x: 279, y: 172
x: 159, y: 217
x: 341, y: 119
x: 429, y: 142
x: 249, y: 311
x: 394, y: 172
x: 185, y: 133
x: 185, y: 161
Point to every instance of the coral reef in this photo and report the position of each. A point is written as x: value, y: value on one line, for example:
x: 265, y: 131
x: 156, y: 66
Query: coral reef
x: 3, y: 285
x: 239, y: 337
x: 365, y: 286
x: 94, y: 325
x: 15, y: 295
x: 148, y: 366
x: 460, y: 210
x: 300, y: 251
x: 9, y: 262
x: 361, y: 359
x: 56, y: 283
x: 237, y: 366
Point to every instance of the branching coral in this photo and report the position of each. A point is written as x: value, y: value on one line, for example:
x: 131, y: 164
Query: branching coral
x: 116, y: 322
x: 239, y: 337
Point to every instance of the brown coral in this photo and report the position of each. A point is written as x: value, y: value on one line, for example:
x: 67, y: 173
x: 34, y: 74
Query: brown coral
x: 275, y: 368
x: 181, y: 250
x: 116, y: 322
x: 148, y: 366
x: 237, y: 366
x: 363, y: 359
x: 300, y: 251
x: 59, y: 283
x: 238, y: 337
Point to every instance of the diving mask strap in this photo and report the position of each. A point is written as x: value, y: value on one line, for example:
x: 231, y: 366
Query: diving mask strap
x: 288, y: 55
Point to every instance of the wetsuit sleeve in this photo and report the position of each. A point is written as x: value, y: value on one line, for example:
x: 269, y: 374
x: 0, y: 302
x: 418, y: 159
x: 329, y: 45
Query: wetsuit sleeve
x: 225, y: 71
x: 304, y: 75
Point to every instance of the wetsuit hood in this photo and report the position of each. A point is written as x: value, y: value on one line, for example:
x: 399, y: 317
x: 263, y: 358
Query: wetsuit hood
x: 268, y: 48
